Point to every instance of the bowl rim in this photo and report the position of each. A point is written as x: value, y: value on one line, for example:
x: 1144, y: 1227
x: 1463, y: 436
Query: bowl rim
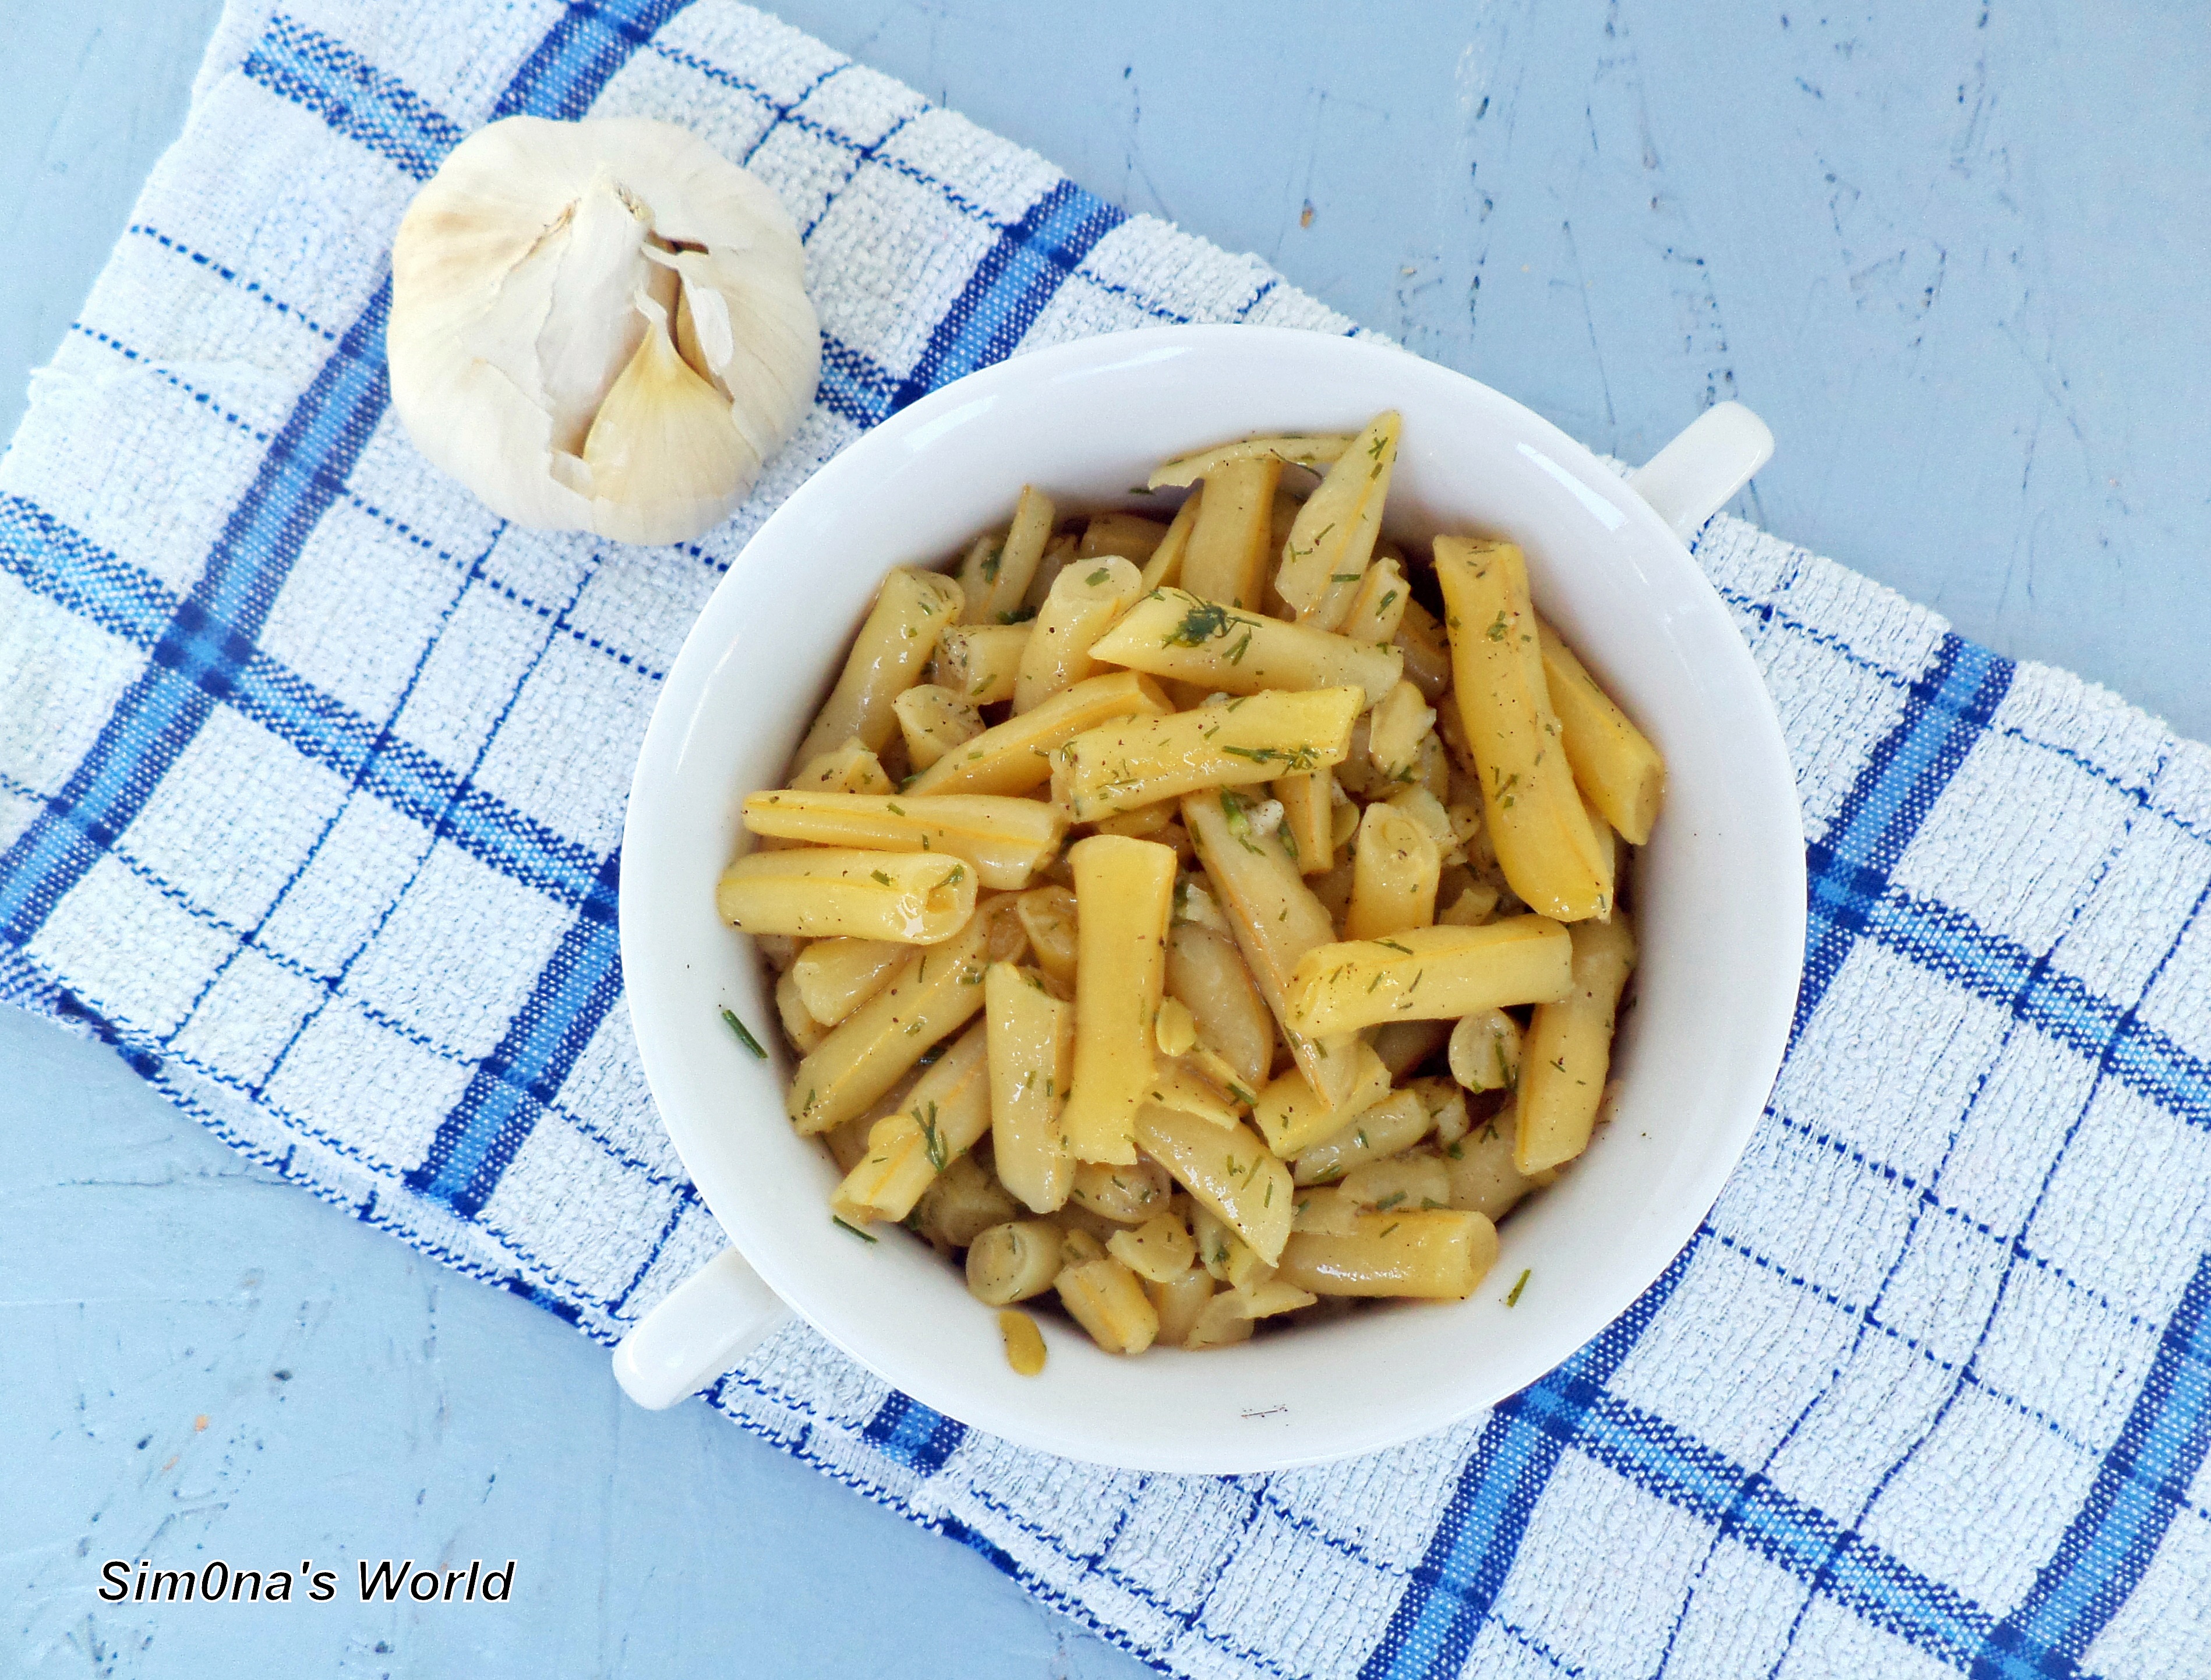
x: 683, y: 692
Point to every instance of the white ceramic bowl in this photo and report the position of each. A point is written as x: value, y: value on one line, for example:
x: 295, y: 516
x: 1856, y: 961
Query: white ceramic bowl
x: 1720, y: 894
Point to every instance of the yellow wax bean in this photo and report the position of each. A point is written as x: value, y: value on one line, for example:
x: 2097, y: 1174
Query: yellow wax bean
x: 1380, y: 607
x: 1127, y: 535
x: 847, y: 1143
x: 1107, y: 1299
x: 933, y: 720
x: 1016, y: 755
x: 1057, y: 553
x: 1404, y: 1045
x: 1086, y: 601
x: 1417, y: 1181
x: 964, y: 1202
x: 850, y: 769
x: 1475, y: 905
x: 1124, y: 890
x: 836, y: 976
x: 1182, y: 1087
x: 996, y: 574
x: 1421, y: 639
x: 1032, y: 1041
x: 1078, y: 1244
x: 1219, y: 1073
x: 1013, y: 1261
x: 1206, y: 973
x: 1568, y: 1051
x: 1292, y: 449
x: 1228, y: 553
x: 1263, y: 1297
x: 1485, y: 1049
x: 1178, y: 1301
x: 1438, y: 1254
x: 1394, y: 734
x: 1173, y: 632
x: 1544, y: 845
x: 1614, y: 761
x: 1165, y: 565
x: 1126, y: 1195
x: 1217, y: 1245
x: 1137, y: 761
x: 1324, y: 560
x: 1221, y: 1322
x: 1006, y: 840
x: 1159, y: 1251
x: 1445, y: 1102
x: 1276, y: 921
x: 1328, y: 1212
x: 935, y: 994
x: 1227, y: 1169
x: 1608, y: 845
x: 980, y: 663
x: 799, y: 1025
x: 898, y: 638
x: 1292, y: 1120
x: 1139, y: 824
x: 1483, y: 1179
x: 1048, y: 916
x: 946, y: 1110
x: 820, y: 892
x: 1394, y: 869
x: 1395, y: 1124
x: 1309, y: 816
x: 1435, y: 974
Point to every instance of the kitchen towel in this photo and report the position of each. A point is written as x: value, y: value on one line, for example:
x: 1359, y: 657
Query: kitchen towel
x: 311, y: 775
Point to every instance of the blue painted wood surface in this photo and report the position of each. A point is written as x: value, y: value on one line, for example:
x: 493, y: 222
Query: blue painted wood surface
x: 1955, y: 255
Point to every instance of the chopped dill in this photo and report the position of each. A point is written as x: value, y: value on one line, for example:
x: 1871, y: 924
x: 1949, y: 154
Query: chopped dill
x: 1203, y: 621
x: 744, y: 1037
x: 1296, y: 761
x: 1239, y: 817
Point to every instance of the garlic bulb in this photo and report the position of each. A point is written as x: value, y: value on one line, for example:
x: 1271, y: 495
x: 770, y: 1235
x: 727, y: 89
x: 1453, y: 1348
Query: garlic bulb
x: 600, y: 326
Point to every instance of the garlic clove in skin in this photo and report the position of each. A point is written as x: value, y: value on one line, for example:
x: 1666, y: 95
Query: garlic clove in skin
x: 600, y: 325
x: 665, y: 435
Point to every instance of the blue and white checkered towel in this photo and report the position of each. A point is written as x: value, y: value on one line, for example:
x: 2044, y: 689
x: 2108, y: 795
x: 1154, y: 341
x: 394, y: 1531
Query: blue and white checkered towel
x: 311, y: 775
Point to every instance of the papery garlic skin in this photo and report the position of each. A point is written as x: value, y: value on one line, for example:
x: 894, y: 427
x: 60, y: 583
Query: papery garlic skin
x: 600, y: 326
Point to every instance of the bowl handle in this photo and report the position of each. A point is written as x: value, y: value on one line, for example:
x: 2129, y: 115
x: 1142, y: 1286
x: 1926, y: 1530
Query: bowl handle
x: 1692, y: 478
x: 711, y: 1320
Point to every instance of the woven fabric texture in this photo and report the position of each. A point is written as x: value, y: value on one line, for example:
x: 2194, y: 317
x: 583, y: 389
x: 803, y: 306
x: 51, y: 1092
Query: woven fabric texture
x: 311, y: 775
